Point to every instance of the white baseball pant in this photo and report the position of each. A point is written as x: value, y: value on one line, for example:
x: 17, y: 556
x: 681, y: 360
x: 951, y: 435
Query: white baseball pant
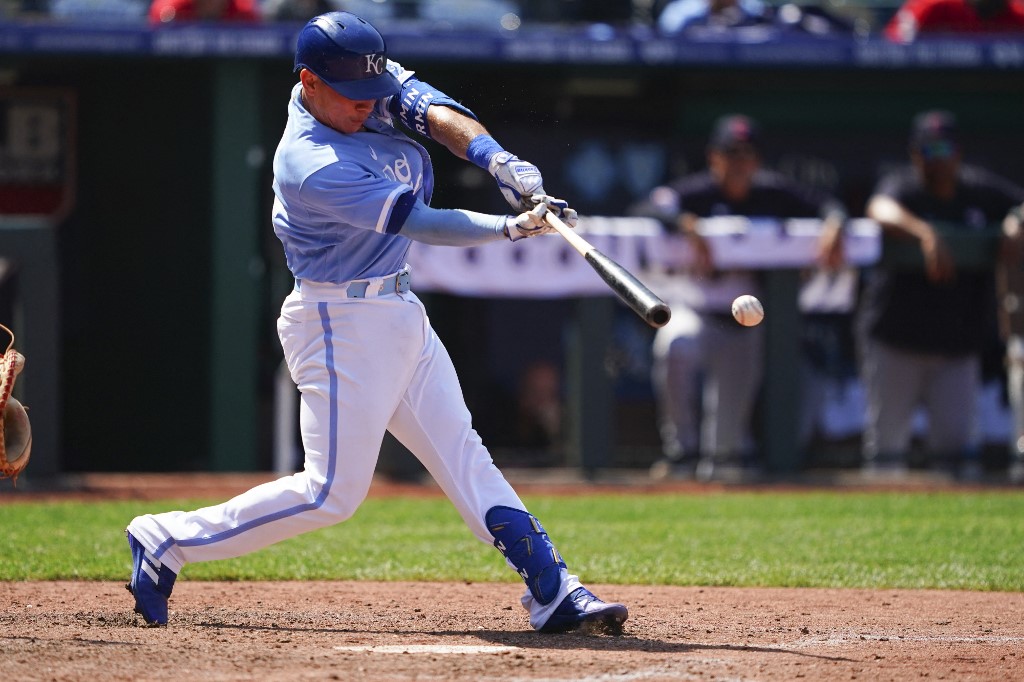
x: 363, y: 366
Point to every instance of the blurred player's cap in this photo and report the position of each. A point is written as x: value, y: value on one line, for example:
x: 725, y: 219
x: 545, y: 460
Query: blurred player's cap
x: 347, y: 53
x: 733, y: 133
x: 933, y: 134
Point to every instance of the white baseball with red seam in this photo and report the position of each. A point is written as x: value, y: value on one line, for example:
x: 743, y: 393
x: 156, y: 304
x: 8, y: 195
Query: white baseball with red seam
x: 747, y: 310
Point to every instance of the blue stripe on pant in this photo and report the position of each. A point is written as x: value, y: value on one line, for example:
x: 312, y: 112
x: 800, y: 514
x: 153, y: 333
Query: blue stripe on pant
x: 332, y: 460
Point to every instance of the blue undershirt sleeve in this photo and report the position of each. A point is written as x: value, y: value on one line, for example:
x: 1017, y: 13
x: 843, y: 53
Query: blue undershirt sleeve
x: 451, y: 227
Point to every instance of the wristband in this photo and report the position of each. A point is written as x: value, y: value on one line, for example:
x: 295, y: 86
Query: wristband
x: 481, y: 148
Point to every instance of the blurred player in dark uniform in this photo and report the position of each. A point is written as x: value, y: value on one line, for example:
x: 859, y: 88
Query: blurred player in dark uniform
x: 922, y: 332
x: 708, y: 369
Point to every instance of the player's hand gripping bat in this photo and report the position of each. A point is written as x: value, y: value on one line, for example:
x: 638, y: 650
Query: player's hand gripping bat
x: 642, y: 300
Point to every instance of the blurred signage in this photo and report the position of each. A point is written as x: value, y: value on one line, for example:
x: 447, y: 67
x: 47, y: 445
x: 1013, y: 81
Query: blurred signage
x: 36, y: 152
x: 769, y: 47
x: 548, y: 267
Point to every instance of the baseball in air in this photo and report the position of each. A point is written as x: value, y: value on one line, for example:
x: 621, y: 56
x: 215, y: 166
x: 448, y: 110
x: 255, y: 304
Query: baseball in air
x: 747, y: 310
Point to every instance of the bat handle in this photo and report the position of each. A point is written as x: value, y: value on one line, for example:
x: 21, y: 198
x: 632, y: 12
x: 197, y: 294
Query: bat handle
x: 570, y: 235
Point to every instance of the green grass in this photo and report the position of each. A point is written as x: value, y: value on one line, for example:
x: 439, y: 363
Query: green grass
x: 880, y: 540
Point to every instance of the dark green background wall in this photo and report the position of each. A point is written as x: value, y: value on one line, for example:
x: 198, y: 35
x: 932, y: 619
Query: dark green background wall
x: 136, y: 251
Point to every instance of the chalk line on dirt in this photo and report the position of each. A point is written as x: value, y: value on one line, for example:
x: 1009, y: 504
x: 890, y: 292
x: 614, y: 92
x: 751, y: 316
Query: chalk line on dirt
x: 463, y: 649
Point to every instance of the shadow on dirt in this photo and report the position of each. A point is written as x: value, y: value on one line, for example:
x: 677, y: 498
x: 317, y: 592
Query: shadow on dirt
x: 625, y: 642
x: 535, y: 640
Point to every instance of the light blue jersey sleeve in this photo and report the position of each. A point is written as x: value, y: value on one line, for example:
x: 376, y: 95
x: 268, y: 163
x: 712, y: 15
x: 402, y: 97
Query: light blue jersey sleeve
x: 366, y: 201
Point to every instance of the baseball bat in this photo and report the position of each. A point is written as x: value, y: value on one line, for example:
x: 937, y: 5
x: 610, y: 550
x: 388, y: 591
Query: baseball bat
x: 642, y: 300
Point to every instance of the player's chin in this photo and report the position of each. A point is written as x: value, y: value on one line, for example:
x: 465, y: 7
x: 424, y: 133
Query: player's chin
x: 348, y: 125
x: 354, y: 125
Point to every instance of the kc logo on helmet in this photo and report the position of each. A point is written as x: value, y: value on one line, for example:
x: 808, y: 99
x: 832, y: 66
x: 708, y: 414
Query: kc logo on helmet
x: 375, y: 63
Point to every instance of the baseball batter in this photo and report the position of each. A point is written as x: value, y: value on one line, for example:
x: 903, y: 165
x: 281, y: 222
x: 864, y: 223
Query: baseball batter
x: 351, y: 192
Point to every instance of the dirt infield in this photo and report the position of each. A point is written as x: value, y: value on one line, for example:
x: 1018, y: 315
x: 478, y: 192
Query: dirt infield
x: 473, y: 631
x: 424, y: 631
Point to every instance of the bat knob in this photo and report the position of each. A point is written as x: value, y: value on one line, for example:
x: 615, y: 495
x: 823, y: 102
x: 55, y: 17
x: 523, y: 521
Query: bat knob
x: 659, y: 315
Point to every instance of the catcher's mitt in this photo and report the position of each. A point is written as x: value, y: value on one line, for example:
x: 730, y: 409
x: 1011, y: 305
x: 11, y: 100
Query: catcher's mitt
x: 15, y: 429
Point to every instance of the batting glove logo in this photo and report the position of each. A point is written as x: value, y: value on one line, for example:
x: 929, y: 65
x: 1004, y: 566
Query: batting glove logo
x: 517, y: 179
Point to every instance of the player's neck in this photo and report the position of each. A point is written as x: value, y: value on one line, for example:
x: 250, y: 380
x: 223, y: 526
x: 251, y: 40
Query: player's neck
x: 314, y: 111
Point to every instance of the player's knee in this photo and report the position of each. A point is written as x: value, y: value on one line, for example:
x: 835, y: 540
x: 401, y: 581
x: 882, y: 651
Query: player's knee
x: 519, y: 536
x: 335, y: 503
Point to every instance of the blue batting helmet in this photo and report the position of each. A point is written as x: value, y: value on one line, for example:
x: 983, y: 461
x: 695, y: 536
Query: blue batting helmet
x: 348, y: 54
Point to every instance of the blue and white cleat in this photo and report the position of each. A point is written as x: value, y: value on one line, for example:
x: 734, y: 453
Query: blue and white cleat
x: 151, y: 583
x: 581, y: 609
